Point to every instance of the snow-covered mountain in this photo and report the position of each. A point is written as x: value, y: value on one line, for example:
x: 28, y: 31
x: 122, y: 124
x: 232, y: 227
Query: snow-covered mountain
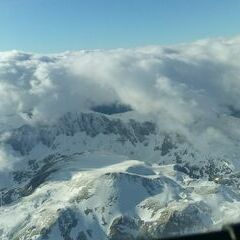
x: 76, y: 179
x: 120, y: 144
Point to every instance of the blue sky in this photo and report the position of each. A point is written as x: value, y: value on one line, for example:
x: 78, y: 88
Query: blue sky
x: 59, y: 25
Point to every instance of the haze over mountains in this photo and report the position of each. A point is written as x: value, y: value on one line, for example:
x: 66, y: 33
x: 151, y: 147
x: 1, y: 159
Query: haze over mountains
x: 120, y: 144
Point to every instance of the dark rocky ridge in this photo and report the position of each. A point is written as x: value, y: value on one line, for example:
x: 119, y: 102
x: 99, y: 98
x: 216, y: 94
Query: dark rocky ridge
x: 111, y: 109
x: 24, y: 139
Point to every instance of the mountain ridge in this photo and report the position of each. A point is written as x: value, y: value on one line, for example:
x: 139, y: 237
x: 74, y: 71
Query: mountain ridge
x: 62, y: 182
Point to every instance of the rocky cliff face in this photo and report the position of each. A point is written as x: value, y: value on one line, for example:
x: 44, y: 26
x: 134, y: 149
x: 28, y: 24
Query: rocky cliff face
x: 25, y: 138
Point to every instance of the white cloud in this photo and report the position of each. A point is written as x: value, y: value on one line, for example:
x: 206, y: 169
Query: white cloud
x: 6, y: 159
x: 183, y: 86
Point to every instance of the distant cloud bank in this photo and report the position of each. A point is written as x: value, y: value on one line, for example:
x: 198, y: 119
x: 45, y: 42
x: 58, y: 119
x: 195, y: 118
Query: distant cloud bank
x: 182, y: 86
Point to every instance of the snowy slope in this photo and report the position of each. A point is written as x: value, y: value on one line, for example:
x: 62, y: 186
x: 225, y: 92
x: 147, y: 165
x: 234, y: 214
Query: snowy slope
x: 99, y: 195
x: 75, y: 179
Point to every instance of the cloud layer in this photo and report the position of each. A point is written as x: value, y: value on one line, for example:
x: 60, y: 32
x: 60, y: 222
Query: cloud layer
x: 182, y: 86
